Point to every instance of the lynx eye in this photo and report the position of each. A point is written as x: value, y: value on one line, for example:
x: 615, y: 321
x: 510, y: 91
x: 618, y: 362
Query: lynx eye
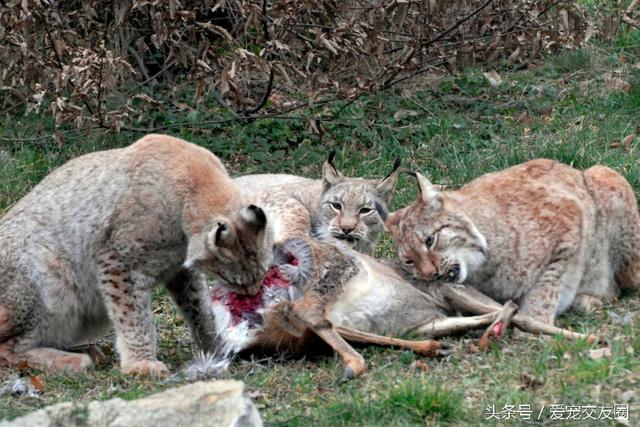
x: 337, y: 206
x: 408, y: 261
x: 364, y: 211
x: 431, y: 240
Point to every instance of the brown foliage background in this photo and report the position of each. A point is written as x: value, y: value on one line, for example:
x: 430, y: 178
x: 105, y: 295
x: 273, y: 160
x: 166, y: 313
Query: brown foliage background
x: 109, y: 63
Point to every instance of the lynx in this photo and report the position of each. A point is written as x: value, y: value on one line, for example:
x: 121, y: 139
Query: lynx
x: 342, y: 208
x: 84, y: 248
x: 543, y: 234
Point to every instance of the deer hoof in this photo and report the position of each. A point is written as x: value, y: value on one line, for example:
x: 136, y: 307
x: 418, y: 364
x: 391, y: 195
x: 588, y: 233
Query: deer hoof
x: 347, y: 374
x: 445, y: 349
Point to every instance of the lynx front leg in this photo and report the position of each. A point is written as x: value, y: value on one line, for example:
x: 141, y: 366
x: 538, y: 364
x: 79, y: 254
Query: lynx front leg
x: 128, y: 302
x: 190, y: 293
x: 547, y: 296
x: 542, y: 301
x: 311, y: 311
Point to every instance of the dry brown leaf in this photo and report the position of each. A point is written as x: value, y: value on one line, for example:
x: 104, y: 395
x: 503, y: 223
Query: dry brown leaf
x: 38, y: 383
x: 525, y: 118
x: 472, y: 348
x: 628, y: 396
x: 600, y: 353
x: 328, y: 49
x: 530, y: 382
x: 493, y: 78
x: 403, y: 114
x: 181, y: 106
x: 420, y: 365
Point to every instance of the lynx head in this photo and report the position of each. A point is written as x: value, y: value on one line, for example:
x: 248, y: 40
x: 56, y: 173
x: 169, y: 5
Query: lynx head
x: 348, y: 206
x: 236, y: 251
x: 436, y: 241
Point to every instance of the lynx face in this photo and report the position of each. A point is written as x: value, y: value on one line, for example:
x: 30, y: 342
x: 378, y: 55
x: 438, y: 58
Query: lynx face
x: 236, y: 252
x: 348, y: 207
x: 435, y: 241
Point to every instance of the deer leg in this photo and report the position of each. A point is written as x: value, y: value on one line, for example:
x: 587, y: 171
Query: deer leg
x: 427, y: 348
x: 468, y: 299
x: 311, y: 311
x: 447, y: 326
x: 498, y: 326
x: 533, y: 326
x: 471, y: 300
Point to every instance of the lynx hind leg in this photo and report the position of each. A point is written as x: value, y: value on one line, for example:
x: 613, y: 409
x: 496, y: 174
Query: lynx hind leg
x: 6, y: 324
x: 191, y: 295
x: 311, y: 311
x: 129, y: 306
x: 627, y: 274
x: 617, y: 201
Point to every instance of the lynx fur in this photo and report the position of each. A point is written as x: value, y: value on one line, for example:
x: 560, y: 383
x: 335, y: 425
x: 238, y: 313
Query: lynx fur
x: 83, y: 250
x: 543, y: 234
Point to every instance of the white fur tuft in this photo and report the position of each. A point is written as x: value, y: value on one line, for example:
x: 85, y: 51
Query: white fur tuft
x: 206, y: 366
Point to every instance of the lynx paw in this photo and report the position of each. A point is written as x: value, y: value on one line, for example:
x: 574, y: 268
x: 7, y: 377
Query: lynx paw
x: 152, y: 368
x: 586, y: 303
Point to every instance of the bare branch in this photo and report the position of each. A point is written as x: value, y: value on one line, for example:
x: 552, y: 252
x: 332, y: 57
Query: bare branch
x: 267, y: 92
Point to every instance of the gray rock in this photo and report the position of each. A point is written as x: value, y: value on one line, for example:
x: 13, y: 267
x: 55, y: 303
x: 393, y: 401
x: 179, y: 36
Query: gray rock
x: 212, y: 403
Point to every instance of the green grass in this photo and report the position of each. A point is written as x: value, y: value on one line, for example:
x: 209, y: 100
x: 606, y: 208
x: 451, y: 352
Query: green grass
x: 453, y: 129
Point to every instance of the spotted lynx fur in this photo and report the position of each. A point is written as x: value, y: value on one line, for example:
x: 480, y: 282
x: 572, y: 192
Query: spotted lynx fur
x: 85, y: 247
x: 541, y: 233
x: 341, y: 208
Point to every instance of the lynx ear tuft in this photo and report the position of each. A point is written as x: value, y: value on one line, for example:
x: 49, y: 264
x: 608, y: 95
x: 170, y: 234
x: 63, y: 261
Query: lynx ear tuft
x: 254, y: 216
x: 396, y: 165
x: 386, y: 187
x: 330, y: 174
x: 332, y: 155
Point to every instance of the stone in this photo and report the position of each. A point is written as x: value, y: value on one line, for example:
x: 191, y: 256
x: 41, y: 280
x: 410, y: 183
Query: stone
x: 205, y: 403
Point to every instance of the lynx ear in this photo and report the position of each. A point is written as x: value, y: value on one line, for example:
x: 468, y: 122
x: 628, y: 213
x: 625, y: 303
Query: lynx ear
x: 392, y: 222
x: 330, y: 174
x: 254, y: 217
x: 387, y: 185
x: 428, y: 194
x: 202, y: 244
x: 218, y: 236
